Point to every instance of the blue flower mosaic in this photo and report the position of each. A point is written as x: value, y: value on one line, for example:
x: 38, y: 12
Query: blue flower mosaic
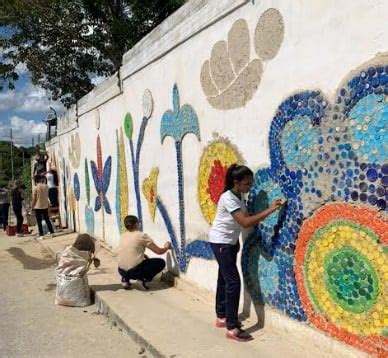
x: 102, y: 184
x: 77, y: 187
x: 320, y: 153
x: 176, y: 123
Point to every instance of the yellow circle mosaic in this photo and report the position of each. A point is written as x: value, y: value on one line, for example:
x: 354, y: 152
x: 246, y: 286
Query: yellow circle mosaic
x: 224, y: 152
x: 348, y: 237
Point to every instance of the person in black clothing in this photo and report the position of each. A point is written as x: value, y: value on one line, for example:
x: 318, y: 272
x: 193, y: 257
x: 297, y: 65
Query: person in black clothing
x: 17, y: 205
x: 4, y: 207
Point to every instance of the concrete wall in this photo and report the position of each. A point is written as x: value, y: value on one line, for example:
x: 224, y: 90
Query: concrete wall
x: 297, y: 91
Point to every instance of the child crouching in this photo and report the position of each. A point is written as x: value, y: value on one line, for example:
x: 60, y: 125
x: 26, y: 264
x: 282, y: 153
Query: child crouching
x: 71, y: 272
x: 133, y: 264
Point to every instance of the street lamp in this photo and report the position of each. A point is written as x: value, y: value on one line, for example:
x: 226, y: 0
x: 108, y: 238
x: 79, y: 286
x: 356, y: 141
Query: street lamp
x: 51, y: 121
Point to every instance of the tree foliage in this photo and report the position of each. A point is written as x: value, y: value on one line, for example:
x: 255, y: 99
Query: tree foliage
x: 65, y: 44
x: 21, y: 164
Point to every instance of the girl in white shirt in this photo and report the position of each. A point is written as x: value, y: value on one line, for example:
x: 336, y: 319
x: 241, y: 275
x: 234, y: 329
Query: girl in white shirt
x: 224, y: 240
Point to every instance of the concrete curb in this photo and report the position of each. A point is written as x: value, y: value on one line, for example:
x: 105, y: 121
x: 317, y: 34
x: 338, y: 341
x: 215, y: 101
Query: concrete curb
x: 106, y: 310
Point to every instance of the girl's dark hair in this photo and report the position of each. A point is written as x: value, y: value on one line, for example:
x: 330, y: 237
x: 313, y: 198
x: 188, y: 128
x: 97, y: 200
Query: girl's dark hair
x: 55, y: 174
x: 85, y: 242
x: 130, y: 221
x: 236, y: 172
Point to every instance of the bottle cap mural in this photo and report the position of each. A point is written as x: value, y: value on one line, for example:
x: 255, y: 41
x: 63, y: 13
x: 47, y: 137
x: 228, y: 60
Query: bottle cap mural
x: 323, y: 259
x: 215, y: 160
x: 230, y: 79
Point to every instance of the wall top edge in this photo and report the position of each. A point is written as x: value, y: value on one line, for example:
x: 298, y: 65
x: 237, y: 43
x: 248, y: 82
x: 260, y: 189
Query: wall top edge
x: 101, y: 93
x: 188, y: 20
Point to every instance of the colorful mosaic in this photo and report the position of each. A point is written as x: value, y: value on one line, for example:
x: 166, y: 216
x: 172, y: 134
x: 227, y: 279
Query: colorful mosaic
x: 229, y: 79
x: 101, y: 178
x: 150, y: 191
x: 75, y: 151
x: 77, y: 194
x: 121, y: 182
x: 89, y: 212
x: 87, y: 182
x: 341, y: 271
x: 135, y: 156
x: 326, y: 158
x: 177, y: 123
x: 196, y: 248
x: 89, y: 220
x: 214, y: 163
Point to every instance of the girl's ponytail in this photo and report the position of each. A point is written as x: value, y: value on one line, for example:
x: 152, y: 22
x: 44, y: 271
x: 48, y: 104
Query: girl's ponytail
x: 229, y: 177
x: 236, y: 172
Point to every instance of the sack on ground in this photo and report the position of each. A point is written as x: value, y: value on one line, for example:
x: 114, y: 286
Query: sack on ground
x: 72, y: 280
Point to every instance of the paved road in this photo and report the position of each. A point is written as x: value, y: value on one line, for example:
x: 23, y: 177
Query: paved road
x: 32, y: 326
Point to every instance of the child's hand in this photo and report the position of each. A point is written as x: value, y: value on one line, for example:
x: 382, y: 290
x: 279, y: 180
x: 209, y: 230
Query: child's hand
x: 167, y: 245
x: 277, y: 204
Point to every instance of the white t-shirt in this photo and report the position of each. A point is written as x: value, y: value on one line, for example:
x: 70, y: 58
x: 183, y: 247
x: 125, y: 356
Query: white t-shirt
x: 50, y: 180
x: 225, y: 229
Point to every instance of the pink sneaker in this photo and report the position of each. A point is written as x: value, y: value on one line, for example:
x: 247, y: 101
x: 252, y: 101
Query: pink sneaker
x: 237, y: 334
x: 220, y: 322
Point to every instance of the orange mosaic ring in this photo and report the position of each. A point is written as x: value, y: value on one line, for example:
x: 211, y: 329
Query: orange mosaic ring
x: 342, y: 273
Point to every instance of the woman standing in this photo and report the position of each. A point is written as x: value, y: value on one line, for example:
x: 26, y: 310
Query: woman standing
x: 40, y: 204
x: 52, y: 183
x: 17, y: 205
x: 224, y: 240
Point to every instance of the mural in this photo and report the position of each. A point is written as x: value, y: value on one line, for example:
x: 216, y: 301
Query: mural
x: 323, y: 258
x: 176, y: 123
x: 75, y: 151
x: 215, y: 160
x: 135, y: 156
x: 101, y: 178
x: 77, y: 195
x: 182, y: 253
x: 229, y: 79
x: 121, y: 182
x: 89, y: 212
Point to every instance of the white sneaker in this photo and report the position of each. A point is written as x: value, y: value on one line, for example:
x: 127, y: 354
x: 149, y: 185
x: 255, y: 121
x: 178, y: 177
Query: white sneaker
x: 40, y: 238
x: 49, y: 235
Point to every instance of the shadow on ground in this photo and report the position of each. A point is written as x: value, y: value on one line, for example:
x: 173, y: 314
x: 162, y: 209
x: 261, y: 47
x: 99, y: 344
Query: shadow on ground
x: 153, y: 286
x: 30, y: 262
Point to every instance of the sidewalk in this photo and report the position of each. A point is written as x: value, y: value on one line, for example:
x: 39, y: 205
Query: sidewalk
x: 169, y: 322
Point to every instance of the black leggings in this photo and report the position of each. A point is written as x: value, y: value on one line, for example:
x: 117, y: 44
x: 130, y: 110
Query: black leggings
x: 42, y: 214
x: 4, y: 208
x: 145, y: 271
x: 19, y: 219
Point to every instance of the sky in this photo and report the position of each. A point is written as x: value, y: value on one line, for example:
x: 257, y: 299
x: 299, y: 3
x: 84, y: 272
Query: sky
x: 24, y: 110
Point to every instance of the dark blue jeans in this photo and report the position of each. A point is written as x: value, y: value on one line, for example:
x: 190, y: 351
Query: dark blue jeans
x: 145, y: 271
x: 228, y: 283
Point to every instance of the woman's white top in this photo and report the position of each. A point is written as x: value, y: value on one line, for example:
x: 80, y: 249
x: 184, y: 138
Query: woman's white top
x: 50, y: 180
x: 225, y: 229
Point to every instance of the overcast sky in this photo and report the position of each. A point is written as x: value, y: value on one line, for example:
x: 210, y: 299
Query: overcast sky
x: 23, y: 110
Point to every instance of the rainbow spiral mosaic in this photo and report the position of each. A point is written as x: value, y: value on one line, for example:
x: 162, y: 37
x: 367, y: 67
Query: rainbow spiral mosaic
x: 323, y: 259
x: 342, y: 273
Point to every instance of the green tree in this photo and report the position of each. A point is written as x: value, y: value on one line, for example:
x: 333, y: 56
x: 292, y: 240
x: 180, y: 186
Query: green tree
x: 21, y: 160
x: 64, y: 44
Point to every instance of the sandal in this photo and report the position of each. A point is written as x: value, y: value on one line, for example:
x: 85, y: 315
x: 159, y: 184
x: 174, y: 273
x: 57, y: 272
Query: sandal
x: 237, y: 334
